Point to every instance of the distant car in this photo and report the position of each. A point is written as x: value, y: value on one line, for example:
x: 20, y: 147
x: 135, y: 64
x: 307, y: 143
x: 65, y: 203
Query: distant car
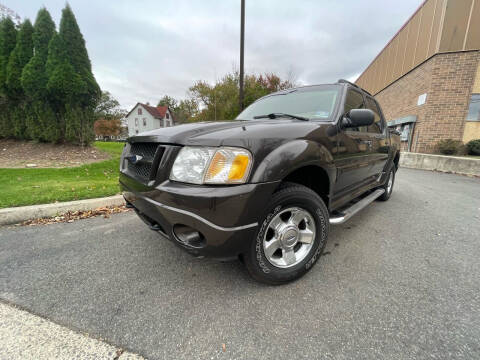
x: 266, y: 186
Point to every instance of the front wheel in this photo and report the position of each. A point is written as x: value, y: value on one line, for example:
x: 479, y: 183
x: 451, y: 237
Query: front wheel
x: 291, y: 238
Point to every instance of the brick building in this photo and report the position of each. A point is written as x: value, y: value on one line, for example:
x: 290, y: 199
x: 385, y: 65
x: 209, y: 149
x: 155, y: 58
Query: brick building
x: 427, y: 78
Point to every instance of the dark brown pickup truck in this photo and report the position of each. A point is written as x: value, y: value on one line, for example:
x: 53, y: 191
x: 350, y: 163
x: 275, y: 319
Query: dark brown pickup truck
x: 265, y: 187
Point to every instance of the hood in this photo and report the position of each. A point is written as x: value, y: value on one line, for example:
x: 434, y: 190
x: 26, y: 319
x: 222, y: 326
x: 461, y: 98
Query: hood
x: 232, y: 133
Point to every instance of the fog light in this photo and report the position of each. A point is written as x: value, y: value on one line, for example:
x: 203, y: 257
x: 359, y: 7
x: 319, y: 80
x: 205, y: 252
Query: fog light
x: 188, y: 236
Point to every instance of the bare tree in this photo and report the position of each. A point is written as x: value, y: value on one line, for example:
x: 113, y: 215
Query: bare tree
x: 292, y: 77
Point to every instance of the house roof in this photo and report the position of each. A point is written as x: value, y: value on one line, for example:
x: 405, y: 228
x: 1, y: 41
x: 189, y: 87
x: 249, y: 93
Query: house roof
x: 157, y: 112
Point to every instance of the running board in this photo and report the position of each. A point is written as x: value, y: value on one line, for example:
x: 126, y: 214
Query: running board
x: 352, y: 210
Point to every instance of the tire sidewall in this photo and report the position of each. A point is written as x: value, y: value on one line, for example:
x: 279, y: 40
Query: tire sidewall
x: 314, y: 205
x: 392, y: 173
x: 386, y: 195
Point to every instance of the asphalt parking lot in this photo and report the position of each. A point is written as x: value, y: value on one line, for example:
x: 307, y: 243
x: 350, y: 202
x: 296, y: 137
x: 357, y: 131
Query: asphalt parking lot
x: 399, y: 280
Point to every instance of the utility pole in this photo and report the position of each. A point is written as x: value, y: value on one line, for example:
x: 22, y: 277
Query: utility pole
x: 242, y: 43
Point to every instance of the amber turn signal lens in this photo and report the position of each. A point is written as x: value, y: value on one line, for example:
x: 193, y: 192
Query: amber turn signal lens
x: 228, y: 166
x: 238, y: 168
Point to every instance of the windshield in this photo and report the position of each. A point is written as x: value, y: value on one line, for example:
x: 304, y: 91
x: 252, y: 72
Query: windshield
x: 315, y: 103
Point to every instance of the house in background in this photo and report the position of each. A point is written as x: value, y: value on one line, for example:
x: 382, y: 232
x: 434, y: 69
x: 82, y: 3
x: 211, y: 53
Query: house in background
x: 144, y: 117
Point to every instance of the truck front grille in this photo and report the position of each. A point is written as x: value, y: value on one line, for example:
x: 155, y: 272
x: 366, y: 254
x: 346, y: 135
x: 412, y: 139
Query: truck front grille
x: 146, y: 168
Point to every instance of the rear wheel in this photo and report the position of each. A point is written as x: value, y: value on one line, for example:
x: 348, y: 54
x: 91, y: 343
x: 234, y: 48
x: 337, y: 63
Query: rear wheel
x: 388, y: 187
x: 291, y: 238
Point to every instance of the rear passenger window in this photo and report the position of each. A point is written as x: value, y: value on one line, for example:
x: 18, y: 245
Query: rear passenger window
x: 354, y: 100
x: 376, y: 127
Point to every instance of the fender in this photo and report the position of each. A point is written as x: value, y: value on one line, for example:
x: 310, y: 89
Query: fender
x: 291, y: 156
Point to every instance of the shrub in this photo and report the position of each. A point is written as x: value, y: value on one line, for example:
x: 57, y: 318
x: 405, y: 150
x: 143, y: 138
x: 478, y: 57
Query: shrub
x: 450, y: 147
x: 473, y: 147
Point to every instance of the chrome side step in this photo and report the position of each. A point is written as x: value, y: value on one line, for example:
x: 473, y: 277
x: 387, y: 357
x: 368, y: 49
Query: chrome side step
x: 352, y: 210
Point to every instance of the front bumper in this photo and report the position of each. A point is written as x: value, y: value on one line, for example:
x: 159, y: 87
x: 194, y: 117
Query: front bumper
x: 226, y: 216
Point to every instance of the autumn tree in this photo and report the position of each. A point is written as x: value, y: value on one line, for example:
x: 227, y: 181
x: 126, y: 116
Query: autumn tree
x: 220, y: 101
x: 108, y: 127
x: 108, y: 107
x: 168, y: 101
x: 185, y: 111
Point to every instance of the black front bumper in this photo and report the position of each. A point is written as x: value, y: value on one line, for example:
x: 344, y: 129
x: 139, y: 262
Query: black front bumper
x: 226, y: 216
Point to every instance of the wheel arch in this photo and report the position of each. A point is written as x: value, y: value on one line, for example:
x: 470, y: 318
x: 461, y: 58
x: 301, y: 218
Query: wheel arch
x: 303, y: 162
x: 315, y: 178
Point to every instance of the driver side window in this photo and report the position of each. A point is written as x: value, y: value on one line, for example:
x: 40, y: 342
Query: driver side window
x: 354, y: 100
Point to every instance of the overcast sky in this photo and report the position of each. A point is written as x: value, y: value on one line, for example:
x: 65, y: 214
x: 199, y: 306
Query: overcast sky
x: 141, y: 50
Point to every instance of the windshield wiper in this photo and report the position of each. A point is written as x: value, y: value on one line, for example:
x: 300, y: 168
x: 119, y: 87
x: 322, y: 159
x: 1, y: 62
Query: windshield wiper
x: 279, y: 115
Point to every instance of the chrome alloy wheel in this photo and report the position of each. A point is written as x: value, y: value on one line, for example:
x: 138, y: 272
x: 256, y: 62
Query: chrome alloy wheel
x: 390, y: 182
x: 289, y: 237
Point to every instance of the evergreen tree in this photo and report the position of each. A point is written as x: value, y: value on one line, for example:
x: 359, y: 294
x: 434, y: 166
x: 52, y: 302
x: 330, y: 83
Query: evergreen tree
x: 18, y: 59
x: 34, y: 78
x: 65, y: 86
x: 71, y: 84
x: 78, y: 55
x: 8, y: 40
x: 20, y: 56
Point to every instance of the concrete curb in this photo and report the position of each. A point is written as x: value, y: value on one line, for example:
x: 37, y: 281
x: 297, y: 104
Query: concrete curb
x: 452, y: 164
x: 16, y: 215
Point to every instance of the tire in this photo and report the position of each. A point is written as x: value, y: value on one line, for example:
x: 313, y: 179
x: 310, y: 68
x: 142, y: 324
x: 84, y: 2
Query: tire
x: 291, y: 204
x: 388, y: 190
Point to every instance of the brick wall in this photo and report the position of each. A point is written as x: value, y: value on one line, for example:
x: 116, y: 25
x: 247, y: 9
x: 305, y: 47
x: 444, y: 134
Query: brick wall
x: 447, y: 79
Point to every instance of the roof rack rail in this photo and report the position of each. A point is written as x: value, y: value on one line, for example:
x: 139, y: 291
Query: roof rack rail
x: 343, y: 81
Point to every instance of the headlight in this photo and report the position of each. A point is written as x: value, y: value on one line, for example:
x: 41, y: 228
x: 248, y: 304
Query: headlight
x: 206, y: 165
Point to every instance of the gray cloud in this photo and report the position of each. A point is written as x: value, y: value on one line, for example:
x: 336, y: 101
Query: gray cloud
x: 141, y: 50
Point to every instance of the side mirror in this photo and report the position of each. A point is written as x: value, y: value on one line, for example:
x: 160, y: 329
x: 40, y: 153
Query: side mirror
x: 358, y: 117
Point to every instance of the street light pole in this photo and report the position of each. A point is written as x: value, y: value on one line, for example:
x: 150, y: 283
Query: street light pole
x: 242, y: 43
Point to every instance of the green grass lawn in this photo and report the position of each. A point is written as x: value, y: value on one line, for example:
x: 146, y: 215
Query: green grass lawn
x: 20, y: 187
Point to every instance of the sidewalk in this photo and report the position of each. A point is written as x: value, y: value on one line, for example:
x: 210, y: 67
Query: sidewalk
x: 27, y: 336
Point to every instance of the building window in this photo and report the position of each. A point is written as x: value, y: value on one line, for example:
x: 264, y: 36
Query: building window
x: 474, y: 108
x: 139, y: 111
x: 136, y: 121
x: 144, y: 122
x: 167, y: 115
x: 136, y: 131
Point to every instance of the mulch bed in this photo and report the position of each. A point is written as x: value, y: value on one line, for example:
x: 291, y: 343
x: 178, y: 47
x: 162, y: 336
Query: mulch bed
x: 17, y: 154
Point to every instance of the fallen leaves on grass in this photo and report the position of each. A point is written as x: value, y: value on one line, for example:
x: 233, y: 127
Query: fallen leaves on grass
x: 72, y: 216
